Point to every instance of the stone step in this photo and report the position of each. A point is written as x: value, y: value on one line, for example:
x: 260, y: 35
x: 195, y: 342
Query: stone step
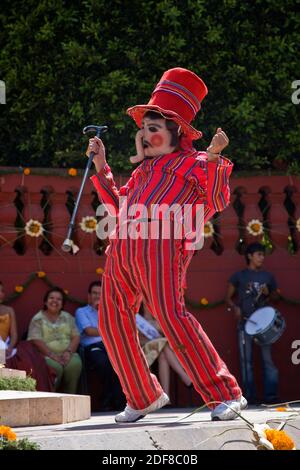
x: 40, y: 408
x: 9, y: 373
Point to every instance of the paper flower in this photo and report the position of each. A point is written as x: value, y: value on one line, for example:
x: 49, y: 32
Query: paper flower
x: 72, y: 172
x: 41, y: 274
x: 298, y: 225
x: 204, y: 301
x: 208, y: 230
x: 26, y: 171
x: 255, y: 227
x: 88, y: 224
x: 7, y: 433
x: 99, y: 270
x: 19, y: 289
x: 34, y: 228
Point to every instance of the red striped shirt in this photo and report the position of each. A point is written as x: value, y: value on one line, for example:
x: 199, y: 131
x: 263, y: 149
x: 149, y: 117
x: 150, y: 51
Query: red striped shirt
x: 184, y: 177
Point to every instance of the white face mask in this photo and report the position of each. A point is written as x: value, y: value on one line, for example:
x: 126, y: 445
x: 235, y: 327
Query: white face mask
x: 157, y: 137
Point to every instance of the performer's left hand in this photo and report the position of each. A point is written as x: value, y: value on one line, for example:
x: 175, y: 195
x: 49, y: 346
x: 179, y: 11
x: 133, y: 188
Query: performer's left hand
x: 218, y: 143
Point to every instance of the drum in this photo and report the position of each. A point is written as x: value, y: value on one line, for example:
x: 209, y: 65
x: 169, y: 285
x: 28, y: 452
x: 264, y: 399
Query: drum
x: 266, y: 325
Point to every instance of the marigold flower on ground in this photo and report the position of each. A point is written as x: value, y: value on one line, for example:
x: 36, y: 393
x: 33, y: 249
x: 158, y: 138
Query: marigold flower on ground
x: 72, y: 172
x: 7, y: 433
x: 279, y: 440
x: 99, y: 270
x: 26, y: 171
x: 204, y: 301
x: 272, y: 439
x: 19, y: 289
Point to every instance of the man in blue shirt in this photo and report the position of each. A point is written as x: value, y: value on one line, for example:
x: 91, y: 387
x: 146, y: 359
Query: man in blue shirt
x: 95, y: 353
x: 255, y: 288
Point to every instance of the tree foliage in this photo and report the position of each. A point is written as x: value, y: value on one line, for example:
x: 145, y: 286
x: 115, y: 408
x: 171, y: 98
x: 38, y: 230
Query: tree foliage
x: 67, y: 64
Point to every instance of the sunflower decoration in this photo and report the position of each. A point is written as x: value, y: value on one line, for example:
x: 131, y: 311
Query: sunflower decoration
x: 34, y: 228
x: 208, y: 230
x: 255, y: 227
x: 298, y: 224
x: 88, y: 224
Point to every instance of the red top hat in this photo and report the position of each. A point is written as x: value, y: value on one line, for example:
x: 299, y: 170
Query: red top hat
x: 177, y: 96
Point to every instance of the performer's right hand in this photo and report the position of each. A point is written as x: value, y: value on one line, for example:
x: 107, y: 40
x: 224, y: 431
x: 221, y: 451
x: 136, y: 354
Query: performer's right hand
x: 96, y: 145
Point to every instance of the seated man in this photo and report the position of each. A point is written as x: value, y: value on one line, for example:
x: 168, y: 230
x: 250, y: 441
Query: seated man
x: 95, y: 352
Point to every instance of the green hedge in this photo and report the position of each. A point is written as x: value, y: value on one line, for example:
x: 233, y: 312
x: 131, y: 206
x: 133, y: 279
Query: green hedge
x: 69, y: 64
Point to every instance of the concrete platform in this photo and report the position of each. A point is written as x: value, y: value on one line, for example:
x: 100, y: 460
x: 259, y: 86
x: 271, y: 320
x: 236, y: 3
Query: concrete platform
x: 10, y: 373
x: 42, y: 408
x: 163, y: 430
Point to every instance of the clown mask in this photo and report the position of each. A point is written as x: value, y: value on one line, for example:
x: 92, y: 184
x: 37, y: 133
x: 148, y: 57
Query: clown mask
x: 153, y: 139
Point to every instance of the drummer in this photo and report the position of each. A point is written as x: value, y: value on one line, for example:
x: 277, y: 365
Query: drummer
x: 256, y: 288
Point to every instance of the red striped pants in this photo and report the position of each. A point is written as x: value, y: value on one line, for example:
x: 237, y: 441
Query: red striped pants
x: 151, y: 270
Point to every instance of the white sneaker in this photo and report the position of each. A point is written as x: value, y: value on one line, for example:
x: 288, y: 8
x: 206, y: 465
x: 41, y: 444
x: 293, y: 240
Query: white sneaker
x: 223, y: 413
x: 130, y: 415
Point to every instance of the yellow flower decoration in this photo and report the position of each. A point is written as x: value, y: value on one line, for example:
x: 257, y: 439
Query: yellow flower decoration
x: 19, y: 289
x: 99, y: 270
x: 272, y: 439
x: 26, y: 171
x: 41, y: 274
x: 204, y: 301
x: 88, y: 224
x: 282, y: 408
x: 72, y: 172
x: 255, y: 227
x: 34, y: 228
x: 7, y: 433
x: 279, y: 440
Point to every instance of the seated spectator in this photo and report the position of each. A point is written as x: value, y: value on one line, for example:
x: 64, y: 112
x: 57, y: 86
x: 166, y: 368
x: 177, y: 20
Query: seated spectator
x: 95, y: 352
x: 25, y: 356
x: 54, y: 333
x: 8, y: 325
x: 159, y: 349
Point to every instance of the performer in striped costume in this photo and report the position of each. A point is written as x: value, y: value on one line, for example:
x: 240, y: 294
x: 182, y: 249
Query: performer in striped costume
x: 152, y: 269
